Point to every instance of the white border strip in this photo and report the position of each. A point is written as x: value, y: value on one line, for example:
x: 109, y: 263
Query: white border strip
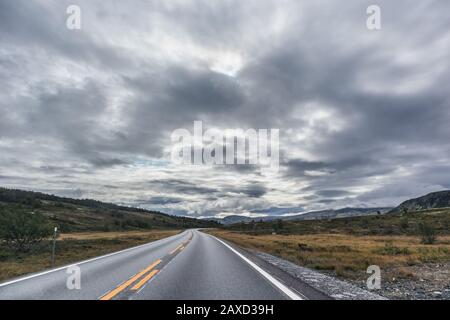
x: 85, y: 261
x: 291, y: 294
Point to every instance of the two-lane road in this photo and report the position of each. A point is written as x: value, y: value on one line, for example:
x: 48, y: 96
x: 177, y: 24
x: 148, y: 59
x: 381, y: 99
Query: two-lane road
x: 190, y: 265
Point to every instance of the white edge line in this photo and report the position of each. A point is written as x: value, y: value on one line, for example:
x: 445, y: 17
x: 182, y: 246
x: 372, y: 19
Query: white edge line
x: 83, y: 262
x: 291, y: 294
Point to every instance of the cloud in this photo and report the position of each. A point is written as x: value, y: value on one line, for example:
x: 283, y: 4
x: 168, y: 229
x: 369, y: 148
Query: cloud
x: 253, y: 190
x: 332, y: 193
x: 363, y: 116
x: 160, y: 201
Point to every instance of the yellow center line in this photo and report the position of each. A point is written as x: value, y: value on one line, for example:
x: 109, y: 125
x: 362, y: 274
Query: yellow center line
x: 173, y: 251
x: 138, y: 285
x: 123, y: 286
x: 182, y: 248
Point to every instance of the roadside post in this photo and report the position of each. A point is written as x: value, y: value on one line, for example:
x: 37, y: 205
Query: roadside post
x: 54, y: 246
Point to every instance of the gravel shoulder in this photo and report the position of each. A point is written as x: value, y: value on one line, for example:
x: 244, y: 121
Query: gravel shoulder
x: 333, y: 287
x: 424, y: 282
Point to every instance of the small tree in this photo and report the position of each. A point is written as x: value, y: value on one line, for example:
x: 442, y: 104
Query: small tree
x: 428, y: 233
x: 21, y: 229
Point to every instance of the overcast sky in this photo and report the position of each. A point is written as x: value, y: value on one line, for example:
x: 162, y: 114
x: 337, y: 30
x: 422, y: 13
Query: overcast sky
x: 364, y: 116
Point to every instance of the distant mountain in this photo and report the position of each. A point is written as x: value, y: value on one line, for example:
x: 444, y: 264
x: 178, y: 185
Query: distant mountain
x: 312, y: 215
x: 232, y: 219
x: 433, y: 200
x: 91, y: 215
x: 340, y: 213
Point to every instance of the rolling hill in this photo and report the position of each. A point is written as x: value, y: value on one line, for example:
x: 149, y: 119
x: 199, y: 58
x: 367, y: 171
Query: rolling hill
x: 72, y: 215
x: 440, y: 199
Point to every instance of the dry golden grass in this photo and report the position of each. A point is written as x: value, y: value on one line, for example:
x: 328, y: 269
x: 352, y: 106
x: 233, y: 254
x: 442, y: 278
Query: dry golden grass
x: 347, y: 255
x: 74, y: 247
x: 112, y: 235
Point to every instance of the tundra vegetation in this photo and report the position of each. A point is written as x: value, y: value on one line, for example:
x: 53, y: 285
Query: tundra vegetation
x: 397, y: 242
x: 88, y: 228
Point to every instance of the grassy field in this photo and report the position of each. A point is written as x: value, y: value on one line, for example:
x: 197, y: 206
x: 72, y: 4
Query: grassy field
x: 73, y: 247
x: 347, y: 256
x: 346, y: 247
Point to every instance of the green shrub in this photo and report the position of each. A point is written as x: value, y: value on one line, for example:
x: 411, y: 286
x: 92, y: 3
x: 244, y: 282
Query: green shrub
x: 427, y: 232
x: 21, y: 230
x: 390, y: 250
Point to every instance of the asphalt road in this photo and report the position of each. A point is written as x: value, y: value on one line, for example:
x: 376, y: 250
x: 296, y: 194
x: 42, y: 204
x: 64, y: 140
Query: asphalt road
x: 191, y: 265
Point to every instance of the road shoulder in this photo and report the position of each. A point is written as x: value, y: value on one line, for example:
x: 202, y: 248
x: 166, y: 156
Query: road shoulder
x: 310, y: 284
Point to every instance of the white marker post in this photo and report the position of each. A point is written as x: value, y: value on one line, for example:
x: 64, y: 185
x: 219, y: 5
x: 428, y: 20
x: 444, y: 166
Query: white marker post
x: 54, y: 246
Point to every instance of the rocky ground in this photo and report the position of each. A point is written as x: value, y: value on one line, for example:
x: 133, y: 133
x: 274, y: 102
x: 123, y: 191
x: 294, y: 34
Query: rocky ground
x: 331, y: 286
x: 425, y: 282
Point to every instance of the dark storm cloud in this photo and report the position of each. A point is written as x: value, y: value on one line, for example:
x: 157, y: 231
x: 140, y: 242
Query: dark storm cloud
x: 181, y: 187
x: 32, y: 25
x: 184, y: 187
x: 253, y: 191
x: 363, y: 116
x: 189, y: 91
x: 159, y: 201
x: 363, y: 166
x: 332, y: 193
x: 72, y: 116
x: 327, y: 201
